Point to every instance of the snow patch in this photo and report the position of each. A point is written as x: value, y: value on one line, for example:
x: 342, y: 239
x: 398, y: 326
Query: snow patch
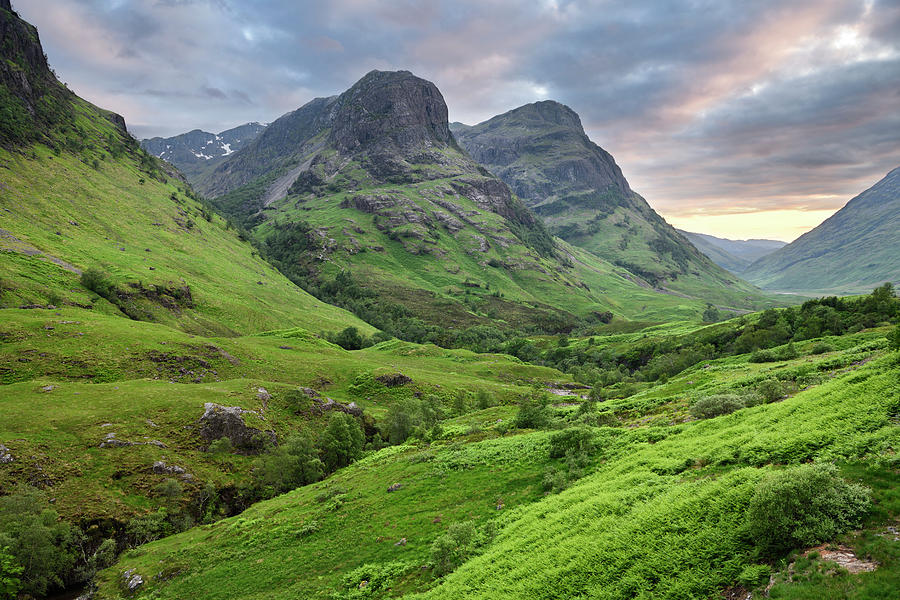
x: 227, y: 149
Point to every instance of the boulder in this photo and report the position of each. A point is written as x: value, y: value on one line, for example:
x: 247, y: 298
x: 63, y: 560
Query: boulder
x: 228, y: 421
x: 393, y: 379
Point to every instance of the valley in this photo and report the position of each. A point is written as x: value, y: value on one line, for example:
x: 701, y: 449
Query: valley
x: 365, y: 352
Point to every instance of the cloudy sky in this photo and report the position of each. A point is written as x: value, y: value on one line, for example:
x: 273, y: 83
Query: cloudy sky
x: 738, y: 118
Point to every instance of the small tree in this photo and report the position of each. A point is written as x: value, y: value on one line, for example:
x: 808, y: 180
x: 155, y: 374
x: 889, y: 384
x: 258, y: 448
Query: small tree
x: 453, y: 548
x: 533, y: 413
x: 349, y: 339
x: 294, y: 463
x: 10, y: 583
x: 711, y: 314
x: 342, y: 442
x: 894, y: 338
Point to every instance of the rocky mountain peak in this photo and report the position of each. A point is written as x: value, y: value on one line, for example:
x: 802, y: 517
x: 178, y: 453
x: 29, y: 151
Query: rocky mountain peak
x: 548, y: 112
x: 391, y: 110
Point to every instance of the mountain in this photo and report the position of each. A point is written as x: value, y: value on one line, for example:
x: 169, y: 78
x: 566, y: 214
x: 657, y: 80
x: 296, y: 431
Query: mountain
x: 78, y: 193
x: 197, y: 151
x: 372, y: 182
x: 542, y: 152
x: 733, y: 255
x: 854, y: 250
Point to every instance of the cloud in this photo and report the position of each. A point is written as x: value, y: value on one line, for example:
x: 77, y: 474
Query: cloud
x: 708, y: 106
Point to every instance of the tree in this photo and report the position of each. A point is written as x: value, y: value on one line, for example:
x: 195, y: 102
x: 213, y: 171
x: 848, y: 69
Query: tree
x: 711, y: 314
x: 342, y: 441
x: 894, y: 338
x: 349, y: 339
x: 9, y: 572
x: 294, y: 463
x: 36, y: 539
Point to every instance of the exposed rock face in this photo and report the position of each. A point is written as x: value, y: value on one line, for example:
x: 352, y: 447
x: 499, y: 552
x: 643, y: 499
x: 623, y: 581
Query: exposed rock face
x: 570, y: 162
x: 394, y: 379
x: 228, y: 421
x: 391, y: 111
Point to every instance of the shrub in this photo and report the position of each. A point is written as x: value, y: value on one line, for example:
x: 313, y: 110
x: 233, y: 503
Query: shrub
x: 451, y: 549
x: 771, y: 390
x: 715, y: 406
x: 350, y: 339
x: 821, y: 348
x: 222, y: 445
x: 894, y: 338
x: 342, y: 442
x: 574, y: 439
x: 97, y: 281
x: 803, y: 506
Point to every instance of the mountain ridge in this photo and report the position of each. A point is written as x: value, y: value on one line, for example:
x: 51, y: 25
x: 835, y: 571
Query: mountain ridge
x: 543, y: 153
x: 849, y: 252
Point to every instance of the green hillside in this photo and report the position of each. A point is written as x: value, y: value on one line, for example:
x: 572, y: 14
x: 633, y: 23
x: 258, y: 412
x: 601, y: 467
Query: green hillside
x: 851, y: 251
x: 541, y: 151
x: 656, y: 502
x: 179, y: 418
x: 82, y: 195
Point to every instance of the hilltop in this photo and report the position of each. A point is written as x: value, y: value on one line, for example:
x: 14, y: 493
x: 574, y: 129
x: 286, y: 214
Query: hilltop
x: 849, y: 252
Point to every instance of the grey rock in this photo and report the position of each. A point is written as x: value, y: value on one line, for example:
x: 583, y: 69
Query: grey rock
x: 228, y: 421
x: 6, y: 456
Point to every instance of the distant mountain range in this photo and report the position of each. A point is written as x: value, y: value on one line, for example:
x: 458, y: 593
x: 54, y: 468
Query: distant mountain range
x: 853, y: 251
x: 196, y: 152
x: 733, y: 255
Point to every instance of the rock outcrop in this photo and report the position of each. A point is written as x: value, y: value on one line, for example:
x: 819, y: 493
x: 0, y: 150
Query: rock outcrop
x: 228, y: 421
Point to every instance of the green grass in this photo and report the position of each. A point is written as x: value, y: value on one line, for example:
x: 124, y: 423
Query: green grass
x: 660, y: 515
x: 62, y: 207
x: 111, y: 374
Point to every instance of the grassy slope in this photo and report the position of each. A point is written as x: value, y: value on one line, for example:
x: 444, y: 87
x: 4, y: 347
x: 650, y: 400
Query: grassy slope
x: 661, y: 515
x: 98, y: 365
x: 125, y: 228
x: 443, y: 263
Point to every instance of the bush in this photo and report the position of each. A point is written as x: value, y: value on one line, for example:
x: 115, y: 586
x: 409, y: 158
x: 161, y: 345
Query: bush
x: 803, y: 506
x: 821, y: 348
x: 574, y: 439
x: 97, y: 281
x: 771, y: 390
x: 342, y: 442
x: 715, y: 406
x: 894, y: 338
x: 754, y: 575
